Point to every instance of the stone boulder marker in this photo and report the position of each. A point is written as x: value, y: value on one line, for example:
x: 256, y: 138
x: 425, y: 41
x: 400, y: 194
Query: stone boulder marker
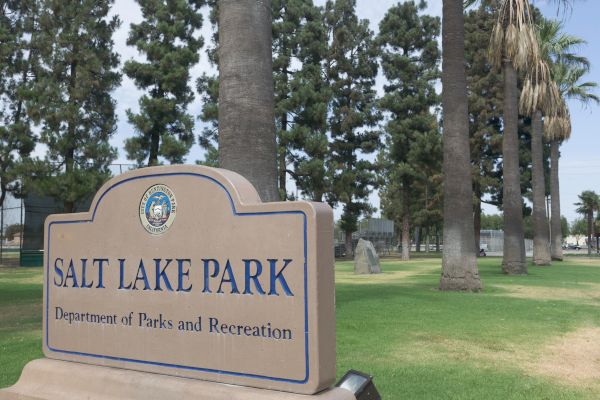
x: 366, y: 260
x: 181, y: 272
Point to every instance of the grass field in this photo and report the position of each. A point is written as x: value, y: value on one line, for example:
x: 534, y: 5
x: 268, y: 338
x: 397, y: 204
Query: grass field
x: 534, y: 337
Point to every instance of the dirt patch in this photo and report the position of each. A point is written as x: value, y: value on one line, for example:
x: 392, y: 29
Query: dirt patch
x: 594, y: 262
x: 573, y: 358
x: 588, y: 294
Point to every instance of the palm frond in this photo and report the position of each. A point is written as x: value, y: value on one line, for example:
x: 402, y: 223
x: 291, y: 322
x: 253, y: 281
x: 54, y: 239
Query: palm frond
x: 513, y: 36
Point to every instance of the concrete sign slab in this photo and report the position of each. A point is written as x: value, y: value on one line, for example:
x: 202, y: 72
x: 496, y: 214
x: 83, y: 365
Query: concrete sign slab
x: 181, y: 270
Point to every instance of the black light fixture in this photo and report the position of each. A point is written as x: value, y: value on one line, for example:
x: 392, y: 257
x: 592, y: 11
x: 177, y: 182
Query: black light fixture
x: 360, y: 384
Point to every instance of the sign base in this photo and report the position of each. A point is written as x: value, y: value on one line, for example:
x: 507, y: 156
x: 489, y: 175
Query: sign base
x: 46, y: 379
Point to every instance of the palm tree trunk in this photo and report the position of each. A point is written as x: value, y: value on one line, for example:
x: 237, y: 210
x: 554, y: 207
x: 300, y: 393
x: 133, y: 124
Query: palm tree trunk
x: 247, y: 142
x: 514, y: 261
x: 556, y: 231
x: 541, y: 235
x: 459, y: 262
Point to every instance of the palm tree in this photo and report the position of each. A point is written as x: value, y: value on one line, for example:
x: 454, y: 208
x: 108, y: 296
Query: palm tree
x: 246, y: 102
x: 589, y: 203
x: 558, y: 129
x: 541, y: 96
x: 459, y: 263
x: 514, y: 48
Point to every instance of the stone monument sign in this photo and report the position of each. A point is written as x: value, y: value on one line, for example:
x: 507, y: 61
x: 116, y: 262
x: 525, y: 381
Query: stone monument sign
x: 182, y: 271
x: 366, y: 260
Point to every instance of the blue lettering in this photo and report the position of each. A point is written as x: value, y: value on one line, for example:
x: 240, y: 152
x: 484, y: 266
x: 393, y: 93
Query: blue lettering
x: 58, y: 271
x: 183, y: 274
x: 278, y: 277
x: 122, y: 274
x: 230, y: 280
x: 161, y: 273
x: 141, y: 275
x: 101, y: 262
x: 83, y: 271
x: 249, y: 278
x: 206, y: 273
x: 71, y: 274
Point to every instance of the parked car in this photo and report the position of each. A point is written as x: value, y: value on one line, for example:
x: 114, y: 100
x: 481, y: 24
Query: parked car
x: 573, y: 247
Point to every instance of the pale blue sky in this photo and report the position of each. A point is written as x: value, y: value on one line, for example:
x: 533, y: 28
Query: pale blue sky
x: 580, y: 164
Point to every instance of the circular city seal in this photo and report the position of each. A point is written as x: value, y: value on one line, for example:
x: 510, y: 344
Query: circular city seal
x: 158, y: 209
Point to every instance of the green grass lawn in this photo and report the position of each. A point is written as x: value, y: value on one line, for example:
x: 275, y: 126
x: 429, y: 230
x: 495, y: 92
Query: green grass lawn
x: 534, y: 337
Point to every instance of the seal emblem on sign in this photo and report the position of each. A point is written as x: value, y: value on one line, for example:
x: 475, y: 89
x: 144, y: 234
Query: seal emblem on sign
x: 158, y: 208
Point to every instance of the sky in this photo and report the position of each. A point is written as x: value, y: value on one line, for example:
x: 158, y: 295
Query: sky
x: 580, y: 163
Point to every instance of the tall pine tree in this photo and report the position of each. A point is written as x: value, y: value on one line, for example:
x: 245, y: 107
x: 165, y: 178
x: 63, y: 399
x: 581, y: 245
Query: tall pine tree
x: 299, y: 47
x: 351, y: 70
x: 17, y: 24
x: 208, y: 88
x: 169, y: 41
x: 71, y: 96
x: 410, y: 60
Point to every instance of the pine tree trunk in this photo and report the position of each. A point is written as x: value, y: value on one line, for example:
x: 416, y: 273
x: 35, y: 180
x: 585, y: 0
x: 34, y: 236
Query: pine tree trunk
x: 154, y: 144
x: 247, y: 143
x: 348, y: 242
x: 282, y: 167
x: 590, y: 221
x: 556, y: 231
x: 69, y: 205
x: 514, y: 262
x: 459, y: 263
x: 541, y: 235
x: 405, y: 237
x: 405, y: 222
x: 418, y: 239
x: 3, y: 191
x: 427, y: 240
x: 437, y: 240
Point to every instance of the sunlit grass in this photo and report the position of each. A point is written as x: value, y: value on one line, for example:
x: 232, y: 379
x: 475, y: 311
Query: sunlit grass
x: 514, y: 340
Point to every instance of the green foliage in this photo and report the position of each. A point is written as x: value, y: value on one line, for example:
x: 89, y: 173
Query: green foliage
x: 351, y: 71
x: 167, y: 38
x: 208, y: 88
x: 17, y: 140
x: 71, y: 96
x: 11, y: 230
x: 485, y: 93
x: 301, y: 95
x: 589, y: 203
x: 579, y: 227
x: 493, y: 222
x: 412, y: 157
x: 564, y: 226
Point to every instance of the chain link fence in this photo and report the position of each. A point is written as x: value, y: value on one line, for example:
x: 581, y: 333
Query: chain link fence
x: 26, y: 217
